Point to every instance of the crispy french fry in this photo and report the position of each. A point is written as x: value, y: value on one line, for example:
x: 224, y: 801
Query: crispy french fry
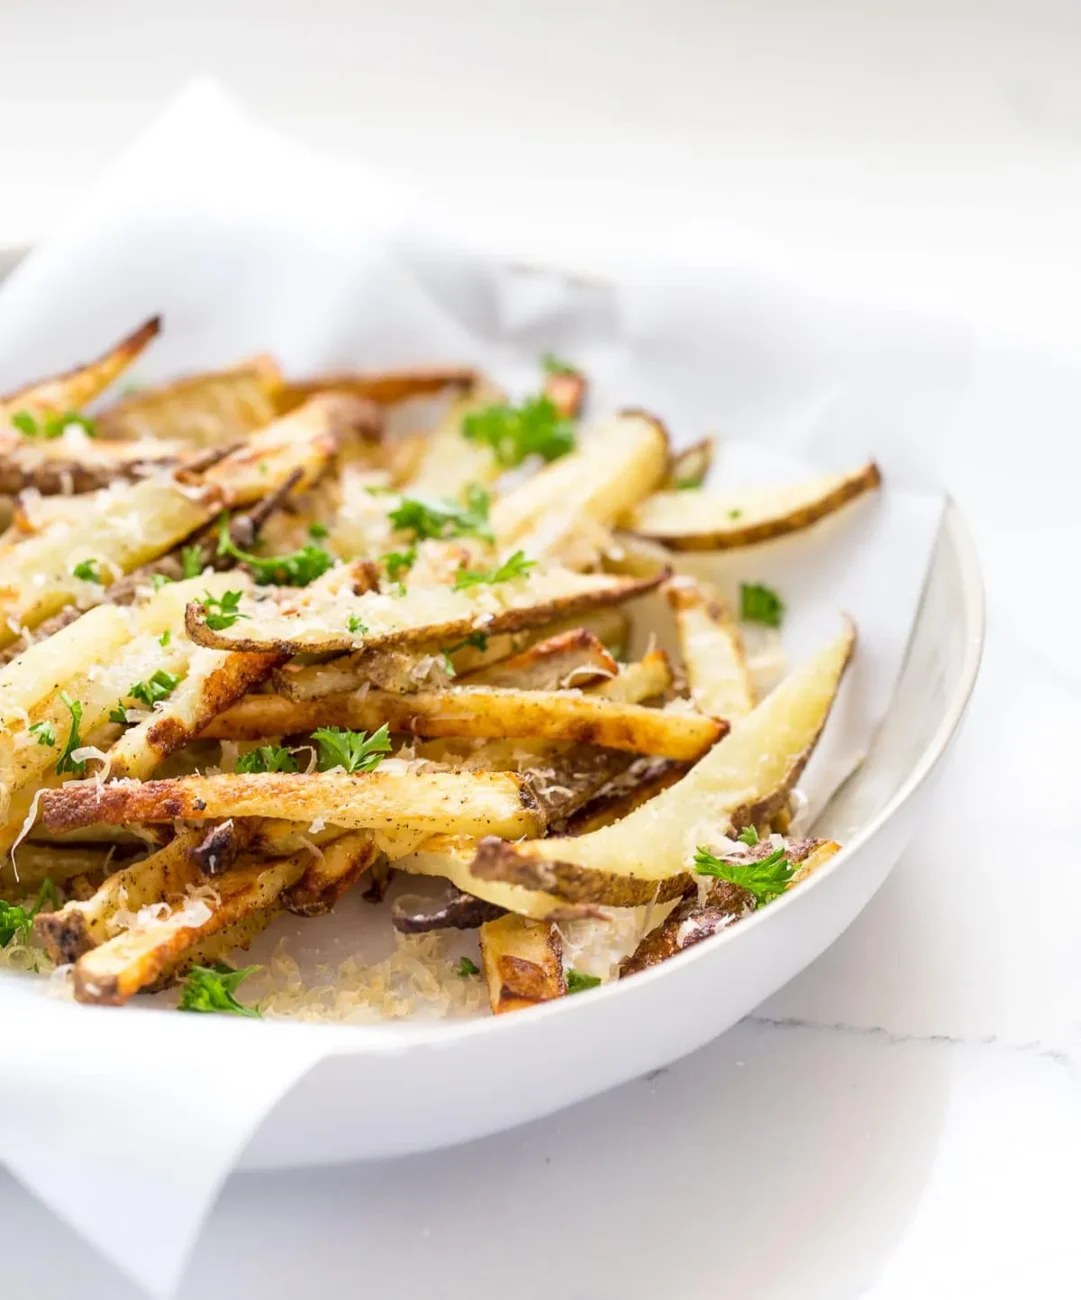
x: 58, y: 863
x: 423, y: 616
x: 523, y: 962
x: 649, y: 676
x: 479, y: 711
x: 712, y: 651
x: 451, y: 462
x: 711, y: 521
x: 333, y: 871
x: 79, y: 926
x: 692, y: 921
x: 648, y: 856
x: 214, y: 408
x: 429, y: 802
x: 74, y: 464
x: 566, y: 388
x: 573, y: 658
x: 386, y: 387
x: 690, y: 467
x: 110, y: 973
x: 623, y: 795
x: 74, y: 389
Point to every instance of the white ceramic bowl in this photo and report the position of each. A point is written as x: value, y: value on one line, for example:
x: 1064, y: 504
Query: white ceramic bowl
x: 419, y: 1086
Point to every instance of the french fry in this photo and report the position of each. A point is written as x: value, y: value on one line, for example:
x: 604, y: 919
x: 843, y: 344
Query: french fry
x: 712, y: 651
x: 79, y: 926
x: 72, y: 390
x: 618, y: 463
x: 690, y: 467
x: 646, y: 677
x: 385, y: 387
x: 333, y: 871
x: 204, y: 410
x: 648, y: 856
x: 112, y: 972
x: 471, y: 803
x: 623, y: 795
x: 522, y: 962
x: 711, y: 521
x: 423, y: 616
x: 692, y: 921
x: 566, y: 388
x: 479, y: 711
x: 58, y: 863
x: 573, y: 658
x: 451, y: 462
x: 75, y: 464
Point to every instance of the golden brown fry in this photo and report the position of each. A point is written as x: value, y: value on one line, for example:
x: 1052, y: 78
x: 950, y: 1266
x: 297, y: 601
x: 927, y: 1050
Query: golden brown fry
x: 72, y: 390
x: 109, y: 974
x: 712, y: 651
x: 58, y: 466
x: 692, y: 921
x: 451, y: 463
x: 648, y: 856
x: 423, y: 616
x: 211, y: 409
x: 623, y: 795
x: 79, y: 926
x: 642, y: 680
x: 58, y: 863
x: 709, y: 521
x: 386, y: 387
x: 573, y: 658
x: 523, y: 962
x: 472, y: 803
x: 479, y: 711
x: 335, y: 870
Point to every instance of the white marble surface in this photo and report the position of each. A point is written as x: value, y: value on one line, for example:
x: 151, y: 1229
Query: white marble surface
x: 903, y: 1120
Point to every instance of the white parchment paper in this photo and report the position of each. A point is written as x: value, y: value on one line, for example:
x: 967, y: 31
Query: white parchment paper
x: 127, y: 1122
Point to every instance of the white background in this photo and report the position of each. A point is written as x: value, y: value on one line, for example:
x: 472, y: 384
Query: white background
x: 903, y: 1120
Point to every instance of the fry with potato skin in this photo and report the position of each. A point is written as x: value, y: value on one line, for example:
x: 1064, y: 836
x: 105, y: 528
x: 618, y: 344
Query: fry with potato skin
x: 649, y: 855
x: 384, y: 387
x: 712, y: 651
x: 522, y: 962
x: 698, y: 520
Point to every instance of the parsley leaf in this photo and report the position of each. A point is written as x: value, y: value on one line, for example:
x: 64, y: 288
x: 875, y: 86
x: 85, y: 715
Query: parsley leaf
x: 65, y: 763
x: 213, y: 988
x: 516, y: 432
x: 467, y: 967
x: 578, y: 983
x: 159, y: 580
x: 296, y: 570
x: 356, y: 624
x: 318, y: 531
x: 267, y: 758
x: 478, y: 640
x: 399, y: 562
x: 766, y: 879
x: 191, y: 559
x: 448, y: 666
x: 749, y: 835
x: 356, y: 751
x: 426, y: 517
x: 165, y: 637
x: 735, y: 514
x: 51, y: 425
x: 44, y: 732
x: 553, y: 365
x: 758, y: 604
x: 516, y: 566
x: 16, y: 920
x: 119, y: 714
x: 87, y: 571
x: 228, y: 605
x: 159, y: 687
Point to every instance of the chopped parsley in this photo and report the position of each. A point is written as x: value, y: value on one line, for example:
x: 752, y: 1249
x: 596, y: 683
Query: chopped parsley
x: 749, y: 835
x: 296, y: 570
x: 65, y: 763
x: 766, y: 879
x: 691, y: 482
x: 213, y: 988
x: 16, y: 919
x: 158, y: 687
x: 44, y: 732
x: 758, y: 604
x: 87, y: 571
x: 119, y: 714
x: 228, y: 605
x: 356, y: 624
x: 399, y: 562
x: 165, y: 637
x: 318, y: 531
x: 426, y: 517
x: 578, y: 983
x: 356, y: 751
x: 191, y: 560
x: 448, y: 665
x: 467, y: 967
x: 516, y: 432
x: 478, y: 640
x: 735, y: 514
x: 267, y: 758
x: 51, y: 425
x: 553, y: 365
x: 516, y: 566
x: 159, y: 580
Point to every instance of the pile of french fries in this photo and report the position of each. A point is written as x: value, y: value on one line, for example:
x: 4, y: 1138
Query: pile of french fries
x: 260, y: 649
